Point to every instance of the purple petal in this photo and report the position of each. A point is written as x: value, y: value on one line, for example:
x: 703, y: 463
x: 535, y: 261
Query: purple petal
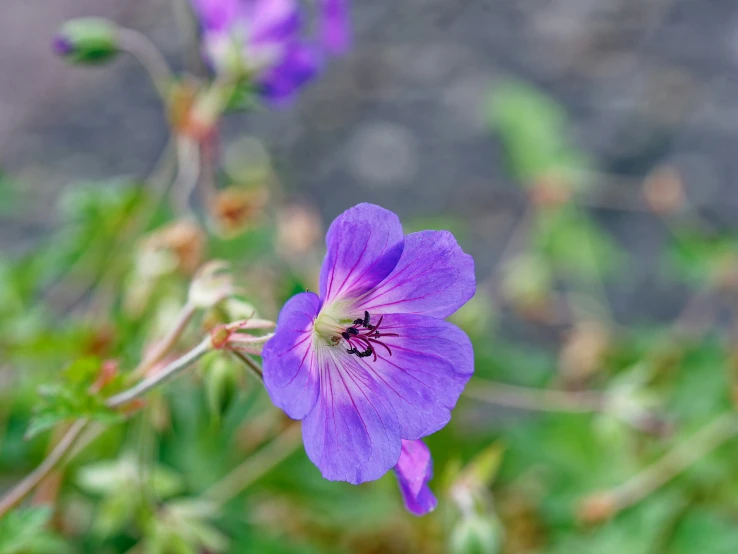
x: 431, y: 362
x: 433, y: 277
x: 364, y: 245
x: 217, y: 15
x: 352, y: 434
x: 290, y: 362
x: 273, y: 20
x: 299, y: 65
x: 414, y: 470
x: 335, y: 25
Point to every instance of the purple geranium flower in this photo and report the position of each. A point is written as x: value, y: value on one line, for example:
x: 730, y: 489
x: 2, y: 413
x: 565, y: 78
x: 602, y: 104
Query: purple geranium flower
x: 414, y: 470
x: 335, y: 25
x: 261, y: 39
x: 371, y: 361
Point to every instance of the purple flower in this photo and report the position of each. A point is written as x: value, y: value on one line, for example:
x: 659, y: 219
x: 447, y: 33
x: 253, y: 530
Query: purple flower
x: 371, y: 361
x: 413, y: 471
x: 261, y: 39
x: 335, y: 25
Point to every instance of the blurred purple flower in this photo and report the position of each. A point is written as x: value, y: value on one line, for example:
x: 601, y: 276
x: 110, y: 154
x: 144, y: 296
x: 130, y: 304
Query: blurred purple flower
x: 371, y: 361
x: 413, y: 471
x: 335, y: 25
x: 259, y: 38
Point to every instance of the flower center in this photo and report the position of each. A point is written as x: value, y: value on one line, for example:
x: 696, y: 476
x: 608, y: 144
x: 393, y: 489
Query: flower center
x: 359, y: 335
x: 362, y: 335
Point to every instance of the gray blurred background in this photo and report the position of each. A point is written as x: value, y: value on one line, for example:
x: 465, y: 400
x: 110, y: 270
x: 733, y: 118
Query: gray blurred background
x: 400, y: 120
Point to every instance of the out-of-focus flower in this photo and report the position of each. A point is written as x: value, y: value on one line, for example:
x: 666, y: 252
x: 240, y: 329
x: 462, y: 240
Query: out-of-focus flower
x: 335, y: 25
x: 236, y: 209
x: 260, y: 40
x: 414, y: 470
x: 298, y: 230
x: 87, y: 40
x: 371, y: 361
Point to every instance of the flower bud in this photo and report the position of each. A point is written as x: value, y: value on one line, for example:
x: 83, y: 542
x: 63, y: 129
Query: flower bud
x: 476, y: 534
x: 211, y: 285
x: 87, y: 41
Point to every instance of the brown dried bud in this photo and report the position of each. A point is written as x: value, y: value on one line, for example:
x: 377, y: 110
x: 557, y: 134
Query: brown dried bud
x: 181, y: 111
x: 236, y: 209
x: 583, y: 351
x: 108, y: 371
x: 183, y: 239
x: 298, y: 229
x: 597, y: 508
x: 664, y: 191
x: 550, y: 191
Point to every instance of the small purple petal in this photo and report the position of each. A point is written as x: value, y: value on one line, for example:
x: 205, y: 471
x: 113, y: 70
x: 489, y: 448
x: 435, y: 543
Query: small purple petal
x: 218, y: 15
x: 433, y: 277
x: 290, y: 359
x: 364, y: 246
x: 335, y: 25
x: 299, y: 65
x: 352, y: 434
x: 62, y: 45
x: 431, y: 362
x: 414, y: 470
x: 273, y: 21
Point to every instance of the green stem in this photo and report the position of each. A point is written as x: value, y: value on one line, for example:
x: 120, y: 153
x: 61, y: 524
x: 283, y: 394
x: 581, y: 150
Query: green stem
x: 254, y: 467
x: 24, y: 488
x: 674, y: 462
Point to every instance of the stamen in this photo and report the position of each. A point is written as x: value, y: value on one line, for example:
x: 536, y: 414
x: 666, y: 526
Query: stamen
x: 365, y: 337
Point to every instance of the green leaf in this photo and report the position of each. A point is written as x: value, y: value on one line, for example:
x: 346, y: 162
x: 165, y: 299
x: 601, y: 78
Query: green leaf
x: 75, y: 398
x: 24, y: 532
x: 533, y: 128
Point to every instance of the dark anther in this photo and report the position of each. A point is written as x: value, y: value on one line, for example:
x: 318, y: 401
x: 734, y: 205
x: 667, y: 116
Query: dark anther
x: 365, y: 336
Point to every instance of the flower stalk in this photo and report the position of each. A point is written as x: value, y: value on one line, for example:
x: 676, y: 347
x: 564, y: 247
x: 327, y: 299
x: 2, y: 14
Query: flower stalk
x: 26, y: 486
x: 160, y: 377
x: 605, y: 504
x: 148, y: 55
x: 255, y: 466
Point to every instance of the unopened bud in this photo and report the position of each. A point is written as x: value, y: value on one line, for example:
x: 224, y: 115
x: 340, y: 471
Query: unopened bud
x: 87, y: 41
x: 211, y: 285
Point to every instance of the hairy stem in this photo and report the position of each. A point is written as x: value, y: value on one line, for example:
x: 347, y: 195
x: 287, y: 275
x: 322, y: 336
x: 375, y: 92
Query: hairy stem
x: 22, y: 489
x: 253, y: 366
x: 159, y: 377
x: 161, y: 348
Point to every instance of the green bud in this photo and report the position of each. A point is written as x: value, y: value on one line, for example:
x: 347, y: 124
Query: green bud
x: 476, y: 534
x: 87, y: 41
